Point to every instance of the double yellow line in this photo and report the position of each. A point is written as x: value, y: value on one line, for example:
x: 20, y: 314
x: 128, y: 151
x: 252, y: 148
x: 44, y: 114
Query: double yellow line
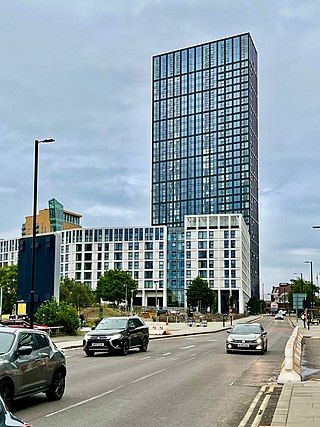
x: 267, y: 390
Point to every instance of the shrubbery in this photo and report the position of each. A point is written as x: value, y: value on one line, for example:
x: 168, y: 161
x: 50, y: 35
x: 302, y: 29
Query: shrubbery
x: 52, y: 313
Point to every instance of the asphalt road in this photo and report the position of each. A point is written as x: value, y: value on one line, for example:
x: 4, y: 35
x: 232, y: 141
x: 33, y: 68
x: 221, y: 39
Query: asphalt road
x: 180, y: 381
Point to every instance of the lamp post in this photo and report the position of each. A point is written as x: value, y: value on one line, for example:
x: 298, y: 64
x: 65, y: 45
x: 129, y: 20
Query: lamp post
x: 311, y: 279
x: 131, y: 303
x: 156, y: 286
x: 34, y: 224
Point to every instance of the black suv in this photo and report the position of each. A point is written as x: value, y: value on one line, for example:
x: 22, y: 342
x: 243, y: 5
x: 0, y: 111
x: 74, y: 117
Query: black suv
x: 117, y: 334
x: 30, y: 363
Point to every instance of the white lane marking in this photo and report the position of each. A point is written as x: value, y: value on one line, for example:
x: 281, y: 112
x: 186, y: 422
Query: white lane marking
x: 147, y: 376
x: 189, y: 346
x: 231, y: 383
x: 166, y: 354
x: 102, y: 394
x: 185, y: 361
x: 212, y: 340
x: 145, y: 358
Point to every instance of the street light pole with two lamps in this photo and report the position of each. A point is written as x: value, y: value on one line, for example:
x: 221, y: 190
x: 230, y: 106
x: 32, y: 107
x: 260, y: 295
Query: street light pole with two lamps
x: 34, y: 224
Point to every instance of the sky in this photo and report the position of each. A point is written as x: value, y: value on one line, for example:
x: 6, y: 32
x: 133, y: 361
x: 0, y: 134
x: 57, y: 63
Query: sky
x: 80, y: 72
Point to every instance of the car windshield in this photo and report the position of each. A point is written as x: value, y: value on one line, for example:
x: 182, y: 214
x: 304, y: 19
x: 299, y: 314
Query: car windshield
x: 112, y: 324
x: 6, y: 341
x: 246, y: 329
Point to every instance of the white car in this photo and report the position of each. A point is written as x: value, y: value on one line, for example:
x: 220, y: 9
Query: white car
x: 279, y: 316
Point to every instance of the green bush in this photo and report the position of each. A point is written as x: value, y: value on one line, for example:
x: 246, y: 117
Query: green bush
x: 52, y: 313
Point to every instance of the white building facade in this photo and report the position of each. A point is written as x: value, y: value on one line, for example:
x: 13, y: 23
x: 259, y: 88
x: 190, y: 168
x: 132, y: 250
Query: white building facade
x: 217, y: 249
x: 141, y: 251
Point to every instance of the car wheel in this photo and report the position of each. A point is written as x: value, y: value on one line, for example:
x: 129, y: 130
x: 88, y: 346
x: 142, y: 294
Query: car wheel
x: 89, y: 353
x: 144, y: 345
x: 266, y: 347
x: 6, y: 392
x: 125, y: 348
x: 57, y: 386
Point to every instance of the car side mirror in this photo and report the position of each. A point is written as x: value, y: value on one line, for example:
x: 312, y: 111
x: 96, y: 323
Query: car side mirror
x: 93, y: 328
x: 228, y: 332
x: 25, y: 350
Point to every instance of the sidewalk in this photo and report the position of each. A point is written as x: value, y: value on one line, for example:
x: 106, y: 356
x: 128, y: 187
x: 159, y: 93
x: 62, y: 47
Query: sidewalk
x: 299, y: 404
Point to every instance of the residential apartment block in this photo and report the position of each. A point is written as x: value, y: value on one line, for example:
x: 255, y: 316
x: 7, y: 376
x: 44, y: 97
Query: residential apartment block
x: 205, y: 142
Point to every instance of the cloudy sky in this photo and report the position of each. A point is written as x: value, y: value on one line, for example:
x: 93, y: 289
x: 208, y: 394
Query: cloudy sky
x: 80, y: 72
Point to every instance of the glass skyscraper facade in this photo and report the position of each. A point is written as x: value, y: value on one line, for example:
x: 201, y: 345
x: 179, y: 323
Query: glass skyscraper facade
x: 205, y: 143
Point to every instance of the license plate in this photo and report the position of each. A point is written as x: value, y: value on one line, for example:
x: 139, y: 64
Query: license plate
x: 243, y: 345
x: 97, y: 344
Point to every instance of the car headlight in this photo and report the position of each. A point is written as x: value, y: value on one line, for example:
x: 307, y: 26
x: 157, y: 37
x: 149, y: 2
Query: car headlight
x: 87, y: 336
x: 229, y: 339
x: 259, y: 341
x: 116, y: 337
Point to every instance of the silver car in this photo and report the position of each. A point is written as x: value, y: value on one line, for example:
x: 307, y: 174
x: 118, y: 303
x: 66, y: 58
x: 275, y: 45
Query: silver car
x: 30, y: 363
x: 247, y: 337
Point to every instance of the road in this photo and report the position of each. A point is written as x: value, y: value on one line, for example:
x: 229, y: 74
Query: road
x: 180, y: 381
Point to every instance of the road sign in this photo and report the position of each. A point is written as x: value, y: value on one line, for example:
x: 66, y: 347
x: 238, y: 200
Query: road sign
x: 298, y: 301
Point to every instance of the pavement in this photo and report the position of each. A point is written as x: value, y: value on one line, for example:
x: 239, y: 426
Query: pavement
x: 298, y: 404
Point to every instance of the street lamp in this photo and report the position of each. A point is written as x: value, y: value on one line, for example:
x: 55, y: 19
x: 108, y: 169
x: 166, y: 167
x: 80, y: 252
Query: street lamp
x: 34, y: 225
x: 300, y: 276
x: 156, y: 286
x: 311, y: 279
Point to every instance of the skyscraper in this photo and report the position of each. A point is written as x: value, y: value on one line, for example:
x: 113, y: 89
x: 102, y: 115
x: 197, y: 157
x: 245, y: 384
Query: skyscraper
x: 205, y: 142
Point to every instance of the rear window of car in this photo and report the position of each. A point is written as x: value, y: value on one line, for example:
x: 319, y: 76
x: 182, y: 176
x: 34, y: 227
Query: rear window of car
x: 6, y: 341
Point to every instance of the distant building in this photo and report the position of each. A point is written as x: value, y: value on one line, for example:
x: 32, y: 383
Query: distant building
x: 55, y: 218
x: 280, y: 295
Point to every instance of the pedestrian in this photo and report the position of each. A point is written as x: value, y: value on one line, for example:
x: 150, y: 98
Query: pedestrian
x: 81, y: 318
x: 304, y: 318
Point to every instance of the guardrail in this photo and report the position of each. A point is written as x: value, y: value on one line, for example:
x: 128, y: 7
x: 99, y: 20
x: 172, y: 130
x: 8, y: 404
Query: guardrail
x: 291, y: 367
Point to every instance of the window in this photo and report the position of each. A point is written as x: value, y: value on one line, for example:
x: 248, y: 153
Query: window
x: 25, y: 339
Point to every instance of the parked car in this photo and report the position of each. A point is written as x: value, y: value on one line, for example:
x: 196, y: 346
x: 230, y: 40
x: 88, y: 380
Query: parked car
x: 117, y: 334
x: 7, y: 419
x: 30, y: 364
x: 247, y: 337
x: 21, y: 323
x: 278, y: 316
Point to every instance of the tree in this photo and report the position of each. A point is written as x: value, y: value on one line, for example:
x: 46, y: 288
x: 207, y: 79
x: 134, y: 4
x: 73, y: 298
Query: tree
x: 256, y: 306
x: 199, y: 294
x: 75, y: 293
x: 52, y: 313
x: 116, y: 286
x: 300, y: 286
x: 9, y: 284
